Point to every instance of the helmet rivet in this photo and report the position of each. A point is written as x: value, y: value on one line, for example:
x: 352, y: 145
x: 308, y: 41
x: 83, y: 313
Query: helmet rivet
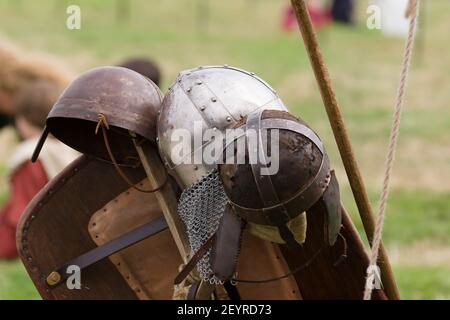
x: 199, y: 82
x: 202, y: 108
x: 229, y: 119
x: 252, y: 73
x: 213, y: 99
x: 189, y: 89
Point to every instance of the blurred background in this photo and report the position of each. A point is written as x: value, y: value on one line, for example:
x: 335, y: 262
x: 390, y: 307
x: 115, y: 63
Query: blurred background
x: 258, y: 35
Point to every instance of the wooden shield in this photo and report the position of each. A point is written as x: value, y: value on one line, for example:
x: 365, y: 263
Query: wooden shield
x: 55, y: 228
x: 88, y: 204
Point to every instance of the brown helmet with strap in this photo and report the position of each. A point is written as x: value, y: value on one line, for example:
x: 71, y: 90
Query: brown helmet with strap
x: 117, y: 98
x: 303, y: 178
x: 120, y: 102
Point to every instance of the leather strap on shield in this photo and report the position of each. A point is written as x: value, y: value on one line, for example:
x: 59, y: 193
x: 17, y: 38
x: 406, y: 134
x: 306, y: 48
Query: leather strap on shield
x: 195, y: 258
x: 225, y: 244
x: 143, y: 232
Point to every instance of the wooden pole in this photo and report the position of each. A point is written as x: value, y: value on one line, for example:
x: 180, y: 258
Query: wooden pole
x: 343, y: 142
x: 167, y: 201
x: 165, y: 196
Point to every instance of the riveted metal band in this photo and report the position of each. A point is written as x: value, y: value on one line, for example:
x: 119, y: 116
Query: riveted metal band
x: 212, y: 110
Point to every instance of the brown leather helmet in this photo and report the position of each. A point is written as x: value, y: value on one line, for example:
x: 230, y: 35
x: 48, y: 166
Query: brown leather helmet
x: 303, y: 178
x: 118, y: 98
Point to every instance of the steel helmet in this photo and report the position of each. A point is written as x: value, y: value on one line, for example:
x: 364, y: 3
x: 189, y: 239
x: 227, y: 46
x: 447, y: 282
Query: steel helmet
x: 214, y: 96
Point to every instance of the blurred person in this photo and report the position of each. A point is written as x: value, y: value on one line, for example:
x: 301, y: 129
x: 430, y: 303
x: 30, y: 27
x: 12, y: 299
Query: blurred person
x: 32, y: 105
x: 342, y: 11
x: 288, y: 21
x: 319, y: 11
x: 16, y: 70
x: 145, y: 67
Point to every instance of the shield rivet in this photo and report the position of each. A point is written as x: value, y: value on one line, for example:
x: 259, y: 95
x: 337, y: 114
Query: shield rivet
x: 53, y: 278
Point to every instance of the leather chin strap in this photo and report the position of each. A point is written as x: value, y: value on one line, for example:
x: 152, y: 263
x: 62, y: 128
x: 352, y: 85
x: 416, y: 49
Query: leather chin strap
x: 195, y: 259
x: 83, y: 261
x: 225, y: 245
x: 103, y: 124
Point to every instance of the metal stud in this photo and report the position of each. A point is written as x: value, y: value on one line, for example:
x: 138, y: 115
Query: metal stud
x: 202, y: 108
x: 53, y: 278
x: 189, y: 89
x: 214, y: 99
x: 229, y: 119
x: 199, y: 82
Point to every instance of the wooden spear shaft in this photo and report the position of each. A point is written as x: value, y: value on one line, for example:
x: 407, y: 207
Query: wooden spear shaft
x: 343, y: 142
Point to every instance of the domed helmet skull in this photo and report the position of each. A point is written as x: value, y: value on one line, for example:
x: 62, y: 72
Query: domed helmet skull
x: 205, y: 98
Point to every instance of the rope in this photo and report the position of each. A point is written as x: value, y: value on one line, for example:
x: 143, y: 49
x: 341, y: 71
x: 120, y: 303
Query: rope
x: 103, y: 124
x: 413, y: 13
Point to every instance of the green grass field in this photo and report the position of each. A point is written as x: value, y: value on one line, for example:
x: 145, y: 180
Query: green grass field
x: 364, y: 67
